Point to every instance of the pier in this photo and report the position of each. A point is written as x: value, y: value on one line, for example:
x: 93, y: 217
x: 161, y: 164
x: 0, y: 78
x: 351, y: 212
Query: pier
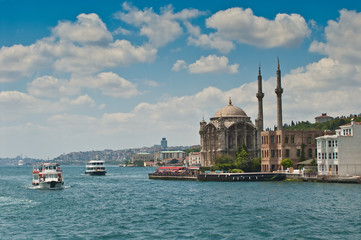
x: 223, y: 177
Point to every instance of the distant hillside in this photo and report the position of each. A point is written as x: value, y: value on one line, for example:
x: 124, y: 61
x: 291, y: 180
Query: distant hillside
x: 330, y: 125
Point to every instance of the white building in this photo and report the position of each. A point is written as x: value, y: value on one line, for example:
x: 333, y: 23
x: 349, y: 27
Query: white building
x: 170, y: 154
x: 340, y: 154
x: 194, y: 159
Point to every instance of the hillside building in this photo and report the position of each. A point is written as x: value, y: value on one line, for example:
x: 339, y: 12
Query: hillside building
x: 145, y: 157
x: 323, y: 118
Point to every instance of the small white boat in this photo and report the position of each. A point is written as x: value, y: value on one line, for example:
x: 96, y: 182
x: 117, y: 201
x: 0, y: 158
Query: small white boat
x: 95, y: 167
x: 48, y: 176
x: 20, y: 162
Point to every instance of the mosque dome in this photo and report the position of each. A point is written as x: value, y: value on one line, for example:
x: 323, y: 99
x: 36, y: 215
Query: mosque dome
x: 230, y: 111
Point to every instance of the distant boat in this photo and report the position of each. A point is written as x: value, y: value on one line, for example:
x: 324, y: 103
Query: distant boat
x: 48, y: 176
x: 20, y: 162
x: 95, y: 167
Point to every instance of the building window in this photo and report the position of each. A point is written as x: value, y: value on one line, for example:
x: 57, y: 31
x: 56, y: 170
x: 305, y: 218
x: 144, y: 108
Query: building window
x: 333, y: 155
x: 336, y: 143
x: 298, y: 152
x: 286, y: 139
x: 287, y: 153
x: 336, y: 155
x: 330, y: 156
x: 319, y: 155
x: 272, y: 153
x: 329, y: 143
x: 309, y: 139
x: 310, y: 153
x: 292, y: 138
x: 272, y: 139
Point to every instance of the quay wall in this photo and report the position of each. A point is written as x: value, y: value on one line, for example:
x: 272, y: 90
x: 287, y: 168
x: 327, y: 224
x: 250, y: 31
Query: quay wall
x: 241, y: 177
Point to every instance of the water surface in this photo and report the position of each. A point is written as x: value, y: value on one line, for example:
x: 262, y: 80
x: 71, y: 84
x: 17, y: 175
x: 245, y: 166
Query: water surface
x: 125, y: 204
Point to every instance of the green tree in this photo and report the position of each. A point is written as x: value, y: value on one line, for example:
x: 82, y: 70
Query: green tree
x: 286, y: 163
x: 224, y: 159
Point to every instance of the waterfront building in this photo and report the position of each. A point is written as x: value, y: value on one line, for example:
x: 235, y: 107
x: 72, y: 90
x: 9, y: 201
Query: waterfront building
x: 170, y: 154
x: 145, y: 157
x: 226, y: 131
x: 340, y: 153
x: 323, y: 118
x: 229, y: 128
x: 280, y: 144
x: 194, y: 159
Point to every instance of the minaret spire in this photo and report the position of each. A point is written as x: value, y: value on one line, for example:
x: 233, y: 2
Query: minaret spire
x: 279, y: 91
x: 260, y: 96
x: 259, y: 120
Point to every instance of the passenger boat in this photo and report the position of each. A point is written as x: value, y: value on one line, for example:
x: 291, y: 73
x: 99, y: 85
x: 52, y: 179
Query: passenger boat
x: 48, y: 176
x: 95, y: 167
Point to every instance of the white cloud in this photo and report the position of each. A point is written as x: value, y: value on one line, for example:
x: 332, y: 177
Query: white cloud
x: 160, y: 29
x: 108, y: 83
x: 84, y: 46
x: 83, y: 100
x: 212, y: 40
x: 89, y: 29
x: 212, y: 64
x: 241, y: 25
x: 49, y: 86
x: 343, y: 38
x: 20, y: 61
x: 179, y: 65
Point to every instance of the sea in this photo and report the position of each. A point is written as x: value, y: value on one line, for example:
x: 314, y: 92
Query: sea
x: 125, y: 204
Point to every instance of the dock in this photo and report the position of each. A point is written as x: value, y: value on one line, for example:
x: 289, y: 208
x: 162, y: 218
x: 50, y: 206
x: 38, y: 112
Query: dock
x: 223, y: 177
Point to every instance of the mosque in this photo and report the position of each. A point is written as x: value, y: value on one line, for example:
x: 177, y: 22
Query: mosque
x: 229, y: 128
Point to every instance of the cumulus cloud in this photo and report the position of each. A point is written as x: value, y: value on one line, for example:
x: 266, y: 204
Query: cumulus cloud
x: 343, y: 38
x: 20, y: 61
x: 83, y: 100
x: 49, y: 86
x: 85, y: 46
x: 212, y: 64
x: 179, y: 65
x: 108, y: 83
x: 160, y: 29
x: 89, y: 29
x: 209, y: 64
x: 212, y: 41
x: 242, y: 26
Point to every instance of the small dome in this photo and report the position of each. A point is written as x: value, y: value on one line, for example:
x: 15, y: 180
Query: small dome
x: 230, y: 111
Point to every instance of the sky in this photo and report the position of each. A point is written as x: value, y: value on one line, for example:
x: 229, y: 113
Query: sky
x: 93, y: 75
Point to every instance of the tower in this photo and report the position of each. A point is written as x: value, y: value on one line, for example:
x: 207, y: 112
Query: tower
x: 279, y: 91
x: 259, y: 120
x: 260, y: 95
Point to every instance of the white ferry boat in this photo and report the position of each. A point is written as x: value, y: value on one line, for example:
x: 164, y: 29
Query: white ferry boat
x: 48, y: 176
x: 95, y: 167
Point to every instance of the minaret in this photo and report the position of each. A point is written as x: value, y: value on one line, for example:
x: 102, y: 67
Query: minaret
x: 279, y: 91
x: 259, y: 120
x: 260, y: 95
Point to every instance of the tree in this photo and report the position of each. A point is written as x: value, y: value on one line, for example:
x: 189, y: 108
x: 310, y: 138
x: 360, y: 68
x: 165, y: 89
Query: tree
x: 224, y: 159
x: 287, y: 163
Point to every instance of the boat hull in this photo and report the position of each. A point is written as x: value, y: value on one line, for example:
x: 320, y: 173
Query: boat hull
x: 51, y: 185
x: 96, y: 173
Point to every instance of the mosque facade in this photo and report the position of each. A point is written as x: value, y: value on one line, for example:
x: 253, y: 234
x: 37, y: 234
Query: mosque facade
x: 229, y: 128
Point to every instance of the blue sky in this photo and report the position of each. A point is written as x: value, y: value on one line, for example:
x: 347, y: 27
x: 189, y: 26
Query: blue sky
x: 93, y: 75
